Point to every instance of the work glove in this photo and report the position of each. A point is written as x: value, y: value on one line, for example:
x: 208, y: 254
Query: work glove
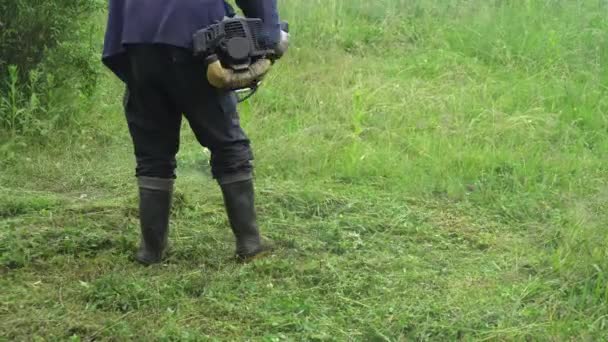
x: 283, y: 45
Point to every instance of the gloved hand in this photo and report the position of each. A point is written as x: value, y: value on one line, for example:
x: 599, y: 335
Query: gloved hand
x: 282, y: 46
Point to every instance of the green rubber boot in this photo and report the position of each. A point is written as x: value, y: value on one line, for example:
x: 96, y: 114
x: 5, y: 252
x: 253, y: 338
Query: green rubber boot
x: 240, y: 207
x: 154, y: 211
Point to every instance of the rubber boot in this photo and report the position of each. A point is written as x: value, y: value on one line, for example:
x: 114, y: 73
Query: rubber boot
x: 239, y: 202
x: 154, y: 210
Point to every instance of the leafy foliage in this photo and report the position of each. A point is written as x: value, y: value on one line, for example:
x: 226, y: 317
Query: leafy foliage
x: 47, y: 53
x: 30, y: 28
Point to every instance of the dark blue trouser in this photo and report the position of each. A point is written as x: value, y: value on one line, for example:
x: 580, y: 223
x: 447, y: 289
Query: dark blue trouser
x: 164, y: 82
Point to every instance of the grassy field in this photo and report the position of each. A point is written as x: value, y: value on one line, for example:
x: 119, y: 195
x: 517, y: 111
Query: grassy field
x: 429, y: 170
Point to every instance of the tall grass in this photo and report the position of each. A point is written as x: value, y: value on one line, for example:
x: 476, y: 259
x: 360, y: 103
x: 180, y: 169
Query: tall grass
x: 502, y: 104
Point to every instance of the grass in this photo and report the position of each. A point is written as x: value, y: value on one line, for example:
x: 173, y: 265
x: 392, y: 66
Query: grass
x: 430, y: 170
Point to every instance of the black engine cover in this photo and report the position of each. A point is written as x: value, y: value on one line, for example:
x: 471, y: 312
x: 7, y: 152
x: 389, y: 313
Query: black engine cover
x: 237, y: 42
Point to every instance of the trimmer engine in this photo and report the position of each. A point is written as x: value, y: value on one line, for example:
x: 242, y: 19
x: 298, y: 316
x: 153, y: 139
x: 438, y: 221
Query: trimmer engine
x: 237, y: 42
x: 236, y: 52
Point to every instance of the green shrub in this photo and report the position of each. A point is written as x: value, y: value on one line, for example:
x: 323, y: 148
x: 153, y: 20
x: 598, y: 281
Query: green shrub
x: 29, y: 28
x: 48, y: 61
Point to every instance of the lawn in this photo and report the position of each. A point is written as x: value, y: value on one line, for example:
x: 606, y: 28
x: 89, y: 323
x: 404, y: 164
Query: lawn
x: 428, y: 170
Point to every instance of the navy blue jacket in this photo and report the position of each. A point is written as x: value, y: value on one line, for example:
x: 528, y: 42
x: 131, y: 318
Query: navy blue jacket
x: 173, y: 22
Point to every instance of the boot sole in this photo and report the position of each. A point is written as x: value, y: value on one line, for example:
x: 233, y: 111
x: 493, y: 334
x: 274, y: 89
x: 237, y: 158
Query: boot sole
x: 147, y: 261
x: 247, y: 259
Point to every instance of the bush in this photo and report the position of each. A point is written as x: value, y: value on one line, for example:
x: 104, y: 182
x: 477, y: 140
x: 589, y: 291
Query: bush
x: 30, y: 28
x: 46, y: 53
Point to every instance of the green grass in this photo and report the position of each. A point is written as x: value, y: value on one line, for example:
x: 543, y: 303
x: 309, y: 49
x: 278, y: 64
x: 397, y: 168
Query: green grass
x: 430, y: 170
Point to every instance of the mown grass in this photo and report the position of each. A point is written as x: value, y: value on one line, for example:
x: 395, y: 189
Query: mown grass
x: 430, y: 170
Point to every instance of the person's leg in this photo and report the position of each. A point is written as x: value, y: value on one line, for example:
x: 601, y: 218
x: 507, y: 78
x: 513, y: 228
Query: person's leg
x: 154, y: 124
x: 154, y: 211
x: 240, y: 207
x: 213, y: 117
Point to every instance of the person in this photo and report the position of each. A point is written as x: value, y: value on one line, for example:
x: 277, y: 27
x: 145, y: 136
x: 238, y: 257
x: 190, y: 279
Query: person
x: 148, y: 45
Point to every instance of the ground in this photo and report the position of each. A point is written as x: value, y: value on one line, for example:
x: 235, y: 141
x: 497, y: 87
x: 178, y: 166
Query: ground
x: 428, y: 170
